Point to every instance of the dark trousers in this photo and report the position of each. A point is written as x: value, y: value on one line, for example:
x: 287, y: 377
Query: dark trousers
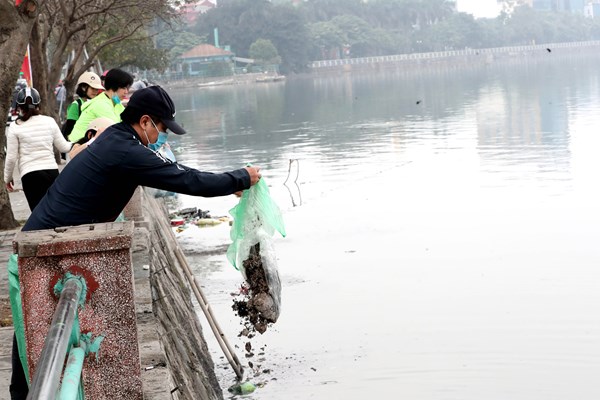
x: 36, y: 184
x: 18, y: 383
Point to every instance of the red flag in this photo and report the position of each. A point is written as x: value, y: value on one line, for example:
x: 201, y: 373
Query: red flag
x: 26, y: 68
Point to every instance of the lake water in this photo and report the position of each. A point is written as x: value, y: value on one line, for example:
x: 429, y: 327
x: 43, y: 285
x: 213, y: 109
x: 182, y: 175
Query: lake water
x: 442, y: 230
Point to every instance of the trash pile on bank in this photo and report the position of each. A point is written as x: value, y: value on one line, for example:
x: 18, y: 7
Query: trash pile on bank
x: 185, y: 217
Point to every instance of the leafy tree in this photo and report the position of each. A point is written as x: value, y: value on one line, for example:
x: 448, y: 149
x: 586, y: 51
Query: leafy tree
x: 263, y: 51
x: 138, y: 51
x: 289, y: 34
x: 241, y: 22
x: 357, y: 32
x: 385, y: 42
x: 233, y: 19
x: 326, y: 37
x: 177, y: 42
x: 391, y: 15
x: 457, y: 32
x: 325, y: 10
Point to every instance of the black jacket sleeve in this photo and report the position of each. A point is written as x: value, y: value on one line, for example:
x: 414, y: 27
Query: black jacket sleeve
x: 149, y: 168
x: 67, y: 127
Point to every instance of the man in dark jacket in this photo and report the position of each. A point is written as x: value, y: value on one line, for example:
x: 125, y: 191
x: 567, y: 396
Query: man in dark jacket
x: 96, y: 185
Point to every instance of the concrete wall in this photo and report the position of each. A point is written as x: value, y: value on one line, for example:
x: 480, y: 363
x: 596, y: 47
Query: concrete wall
x: 190, y: 366
x: 174, y: 359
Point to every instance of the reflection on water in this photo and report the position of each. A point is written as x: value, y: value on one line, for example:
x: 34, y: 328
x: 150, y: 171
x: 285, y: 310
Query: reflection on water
x: 441, y: 227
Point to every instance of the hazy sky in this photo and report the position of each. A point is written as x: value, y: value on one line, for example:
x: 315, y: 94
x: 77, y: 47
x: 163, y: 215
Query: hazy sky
x: 479, y: 8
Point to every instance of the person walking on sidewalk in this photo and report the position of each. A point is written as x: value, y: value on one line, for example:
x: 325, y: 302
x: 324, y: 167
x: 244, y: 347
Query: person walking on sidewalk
x: 30, y: 141
x: 95, y: 186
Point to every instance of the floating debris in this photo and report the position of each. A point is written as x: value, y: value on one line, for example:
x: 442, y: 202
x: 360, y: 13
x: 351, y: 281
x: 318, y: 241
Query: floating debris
x: 242, y: 388
x: 177, y: 221
x: 207, y: 221
x: 194, y: 216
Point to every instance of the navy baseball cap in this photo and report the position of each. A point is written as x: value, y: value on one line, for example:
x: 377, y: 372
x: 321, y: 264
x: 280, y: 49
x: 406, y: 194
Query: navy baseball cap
x: 156, y: 101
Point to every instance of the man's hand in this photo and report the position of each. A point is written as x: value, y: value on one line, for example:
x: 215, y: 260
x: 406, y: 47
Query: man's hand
x: 254, y: 174
x: 9, y: 186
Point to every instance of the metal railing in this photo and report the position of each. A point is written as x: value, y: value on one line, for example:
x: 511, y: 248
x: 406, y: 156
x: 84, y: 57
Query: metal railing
x: 50, y: 366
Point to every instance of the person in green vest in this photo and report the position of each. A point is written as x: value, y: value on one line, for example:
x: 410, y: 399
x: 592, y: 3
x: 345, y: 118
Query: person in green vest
x: 88, y: 87
x: 106, y: 104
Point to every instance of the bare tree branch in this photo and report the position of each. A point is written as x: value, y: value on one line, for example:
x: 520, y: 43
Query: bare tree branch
x: 79, y: 25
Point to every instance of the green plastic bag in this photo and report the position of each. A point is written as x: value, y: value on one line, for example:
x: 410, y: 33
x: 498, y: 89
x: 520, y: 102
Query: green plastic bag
x: 14, y: 291
x: 254, y: 218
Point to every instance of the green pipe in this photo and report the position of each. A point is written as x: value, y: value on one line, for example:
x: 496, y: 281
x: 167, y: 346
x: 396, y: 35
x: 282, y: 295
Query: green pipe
x: 69, y: 390
x: 47, y: 374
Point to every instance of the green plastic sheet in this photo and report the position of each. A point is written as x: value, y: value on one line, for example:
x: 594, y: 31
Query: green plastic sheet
x: 14, y: 291
x: 255, y: 217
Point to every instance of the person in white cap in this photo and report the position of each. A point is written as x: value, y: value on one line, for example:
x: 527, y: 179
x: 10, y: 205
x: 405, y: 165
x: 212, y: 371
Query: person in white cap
x: 108, y: 104
x: 95, y: 129
x: 88, y: 87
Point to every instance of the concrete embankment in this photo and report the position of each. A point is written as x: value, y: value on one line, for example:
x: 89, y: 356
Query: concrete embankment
x: 174, y: 358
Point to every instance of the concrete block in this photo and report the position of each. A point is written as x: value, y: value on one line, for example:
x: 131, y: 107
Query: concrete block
x: 100, y: 252
x: 133, y: 211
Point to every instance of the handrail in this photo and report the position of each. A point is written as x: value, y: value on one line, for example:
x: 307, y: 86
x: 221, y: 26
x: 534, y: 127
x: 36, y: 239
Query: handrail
x: 47, y: 374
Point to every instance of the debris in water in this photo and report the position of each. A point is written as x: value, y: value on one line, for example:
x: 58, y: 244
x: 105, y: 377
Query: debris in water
x: 242, y: 388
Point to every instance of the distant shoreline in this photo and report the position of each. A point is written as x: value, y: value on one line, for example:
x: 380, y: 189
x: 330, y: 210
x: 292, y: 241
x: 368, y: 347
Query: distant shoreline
x: 409, y: 63
x: 204, y: 82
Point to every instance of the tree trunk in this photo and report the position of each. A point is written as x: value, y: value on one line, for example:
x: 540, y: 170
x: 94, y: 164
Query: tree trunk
x: 37, y: 54
x: 15, y: 27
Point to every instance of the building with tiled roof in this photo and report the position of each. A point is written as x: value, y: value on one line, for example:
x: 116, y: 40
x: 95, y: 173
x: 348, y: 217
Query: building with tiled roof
x: 205, y: 50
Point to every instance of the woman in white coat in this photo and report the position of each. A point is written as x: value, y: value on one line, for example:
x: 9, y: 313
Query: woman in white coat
x: 30, y: 141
